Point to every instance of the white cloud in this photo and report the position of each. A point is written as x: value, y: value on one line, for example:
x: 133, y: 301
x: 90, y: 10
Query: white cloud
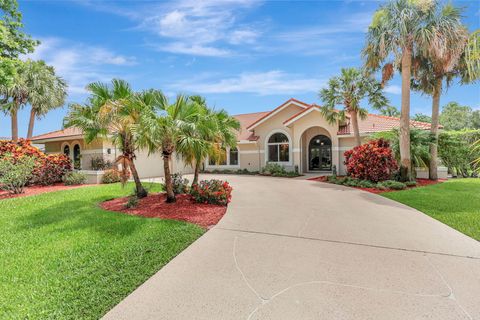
x: 393, y: 89
x: 191, y: 27
x: 79, y: 64
x: 262, y: 83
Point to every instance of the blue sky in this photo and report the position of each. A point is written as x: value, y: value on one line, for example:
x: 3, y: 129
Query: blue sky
x: 242, y: 55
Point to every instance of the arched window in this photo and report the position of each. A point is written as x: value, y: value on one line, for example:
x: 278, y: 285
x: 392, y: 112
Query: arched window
x: 76, y: 157
x: 278, y: 148
x: 66, y: 150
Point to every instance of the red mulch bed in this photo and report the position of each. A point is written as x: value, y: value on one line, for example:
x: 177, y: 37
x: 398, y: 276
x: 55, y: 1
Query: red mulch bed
x: 33, y: 190
x: 420, y: 183
x: 185, y: 209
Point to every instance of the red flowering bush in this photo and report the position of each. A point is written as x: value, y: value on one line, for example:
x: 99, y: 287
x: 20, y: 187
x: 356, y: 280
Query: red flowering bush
x: 48, y: 169
x: 372, y: 161
x: 212, y: 191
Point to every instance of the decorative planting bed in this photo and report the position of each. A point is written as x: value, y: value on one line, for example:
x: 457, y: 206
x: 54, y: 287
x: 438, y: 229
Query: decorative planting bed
x: 184, y: 209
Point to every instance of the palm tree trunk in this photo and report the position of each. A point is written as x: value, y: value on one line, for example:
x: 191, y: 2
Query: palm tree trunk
x: 139, y: 189
x: 14, y: 118
x: 432, y: 171
x: 168, y: 178
x: 31, y: 123
x: 196, y: 173
x: 356, y: 130
x: 405, y: 159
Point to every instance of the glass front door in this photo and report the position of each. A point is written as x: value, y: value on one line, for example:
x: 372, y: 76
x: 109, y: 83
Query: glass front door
x: 320, y: 154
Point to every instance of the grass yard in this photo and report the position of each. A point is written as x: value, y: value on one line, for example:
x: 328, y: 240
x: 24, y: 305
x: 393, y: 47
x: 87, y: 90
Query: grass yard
x: 455, y: 202
x: 62, y: 257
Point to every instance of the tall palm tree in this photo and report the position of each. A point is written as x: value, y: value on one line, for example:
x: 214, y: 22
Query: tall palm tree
x: 112, y: 112
x: 164, y: 126
x: 15, y: 96
x: 349, y: 89
x: 398, y: 31
x: 46, y: 91
x: 442, y: 62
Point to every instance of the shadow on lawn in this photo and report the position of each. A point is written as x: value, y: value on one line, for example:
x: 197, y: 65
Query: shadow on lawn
x: 70, y: 216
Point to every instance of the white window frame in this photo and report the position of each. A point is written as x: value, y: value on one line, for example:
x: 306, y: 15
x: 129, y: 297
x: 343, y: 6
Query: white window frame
x: 224, y: 166
x: 290, y: 149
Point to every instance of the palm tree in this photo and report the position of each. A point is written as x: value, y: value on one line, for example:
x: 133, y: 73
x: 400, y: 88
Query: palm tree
x: 349, y: 89
x: 419, y: 146
x: 46, y: 91
x: 164, y: 126
x: 112, y: 112
x: 390, y: 111
x: 399, y: 30
x: 14, y: 97
x: 442, y: 62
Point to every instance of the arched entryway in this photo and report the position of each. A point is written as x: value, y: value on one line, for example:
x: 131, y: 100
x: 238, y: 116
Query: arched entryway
x: 76, y: 157
x: 320, y: 153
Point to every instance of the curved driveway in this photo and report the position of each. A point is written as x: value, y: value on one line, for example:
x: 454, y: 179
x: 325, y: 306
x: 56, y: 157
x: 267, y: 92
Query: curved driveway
x: 297, y: 249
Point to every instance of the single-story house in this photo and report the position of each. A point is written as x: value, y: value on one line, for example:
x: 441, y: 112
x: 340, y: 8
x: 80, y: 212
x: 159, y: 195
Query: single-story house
x: 295, y: 135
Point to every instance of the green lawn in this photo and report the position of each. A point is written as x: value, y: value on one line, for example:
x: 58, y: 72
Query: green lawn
x: 455, y: 203
x: 62, y: 257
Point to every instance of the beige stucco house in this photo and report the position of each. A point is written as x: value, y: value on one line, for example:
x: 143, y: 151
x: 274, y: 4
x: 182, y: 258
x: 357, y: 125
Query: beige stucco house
x: 294, y: 134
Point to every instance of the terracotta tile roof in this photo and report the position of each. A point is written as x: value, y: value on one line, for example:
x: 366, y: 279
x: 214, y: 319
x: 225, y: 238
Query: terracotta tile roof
x: 58, y: 134
x: 305, y: 105
x: 246, y: 120
x: 378, y: 123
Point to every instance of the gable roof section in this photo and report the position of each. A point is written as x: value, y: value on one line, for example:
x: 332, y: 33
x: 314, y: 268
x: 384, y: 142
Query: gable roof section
x: 301, y: 114
x: 68, y: 132
x: 277, y: 110
x: 378, y: 123
x: 245, y: 120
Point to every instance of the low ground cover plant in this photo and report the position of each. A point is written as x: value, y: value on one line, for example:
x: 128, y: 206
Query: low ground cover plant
x: 212, y: 191
x: 373, y: 161
x: 230, y: 171
x: 15, y: 173
x: 277, y: 170
x: 382, y: 185
x: 74, y: 178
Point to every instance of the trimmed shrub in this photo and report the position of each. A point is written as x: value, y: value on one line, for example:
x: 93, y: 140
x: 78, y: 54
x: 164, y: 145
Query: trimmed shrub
x: 111, y: 176
x: 49, y: 169
x: 372, y: 161
x: 52, y: 169
x: 74, y: 178
x: 99, y: 163
x: 212, y: 191
x: 273, y: 169
x: 392, y: 184
x: 16, y: 172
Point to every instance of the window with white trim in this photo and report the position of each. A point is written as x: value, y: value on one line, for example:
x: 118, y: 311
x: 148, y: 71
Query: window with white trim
x: 278, y: 148
x: 227, y: 156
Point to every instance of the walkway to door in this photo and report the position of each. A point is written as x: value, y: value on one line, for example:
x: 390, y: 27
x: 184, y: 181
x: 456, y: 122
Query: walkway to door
x: 297, y: 249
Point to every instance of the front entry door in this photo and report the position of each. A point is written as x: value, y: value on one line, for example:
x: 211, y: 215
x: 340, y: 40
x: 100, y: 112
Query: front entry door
x: 320, y: 154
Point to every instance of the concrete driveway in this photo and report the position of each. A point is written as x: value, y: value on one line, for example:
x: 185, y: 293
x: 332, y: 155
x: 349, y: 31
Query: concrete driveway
x: 297, y: 249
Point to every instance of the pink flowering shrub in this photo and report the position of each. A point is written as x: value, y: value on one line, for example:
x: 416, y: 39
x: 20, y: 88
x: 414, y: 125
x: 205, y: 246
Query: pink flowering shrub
x: 212, y: 191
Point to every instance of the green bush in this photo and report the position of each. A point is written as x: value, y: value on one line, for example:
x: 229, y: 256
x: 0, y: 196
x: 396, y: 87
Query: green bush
x: 74, y: 178
x: 273, y: 169
x: 411, y: 183
x: 15, y: 173
x: 111, y: 176
x: 366, y: 184
x: 391, y: 184
x: 99, y: 163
